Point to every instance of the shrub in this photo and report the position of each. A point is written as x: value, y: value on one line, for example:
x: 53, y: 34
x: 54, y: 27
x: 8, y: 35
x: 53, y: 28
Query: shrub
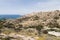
x: 56, y: 17
x: 38, y: 28
x: 45, y: 31
x: 5, y: 38
x: 9, y: 25
x: 2, y: 21
x: 53, y: 24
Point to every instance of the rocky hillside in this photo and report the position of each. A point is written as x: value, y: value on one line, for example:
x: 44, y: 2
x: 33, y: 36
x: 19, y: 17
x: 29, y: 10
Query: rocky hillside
x: 36, y: 20
x: 39, y: 18
x: 32, y: 24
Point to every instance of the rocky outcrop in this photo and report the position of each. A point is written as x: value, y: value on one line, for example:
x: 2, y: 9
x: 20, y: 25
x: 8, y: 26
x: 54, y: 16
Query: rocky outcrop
x: 39, y: 18
x: 15, y: 36
x: 32, y: 24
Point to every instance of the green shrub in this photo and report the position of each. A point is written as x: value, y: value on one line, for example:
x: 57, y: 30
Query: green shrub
x: 56, y: 17
x: 45, y: 31
x: 38, y: 28
x: 53, y: 23
x: 2, y: 21
x: 5, y: 38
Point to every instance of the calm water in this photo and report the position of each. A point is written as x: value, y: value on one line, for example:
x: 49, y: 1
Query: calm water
x: 9, y: 16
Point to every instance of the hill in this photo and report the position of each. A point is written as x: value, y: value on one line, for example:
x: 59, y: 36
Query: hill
x: 38, y: 18
x: 34, y: 24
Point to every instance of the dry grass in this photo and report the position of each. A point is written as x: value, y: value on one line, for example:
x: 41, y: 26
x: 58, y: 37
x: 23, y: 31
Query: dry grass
x: 47, y: 37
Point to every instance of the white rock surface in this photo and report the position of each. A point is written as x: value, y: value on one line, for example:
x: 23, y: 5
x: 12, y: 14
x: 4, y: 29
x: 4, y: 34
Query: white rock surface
x: 18, y: 36
x: 54, y: 33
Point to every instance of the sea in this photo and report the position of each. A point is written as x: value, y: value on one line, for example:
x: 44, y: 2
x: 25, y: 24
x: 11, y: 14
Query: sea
x: 10, y: 16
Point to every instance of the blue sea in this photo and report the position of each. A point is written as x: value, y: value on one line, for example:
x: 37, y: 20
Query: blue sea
x: 10, y: 16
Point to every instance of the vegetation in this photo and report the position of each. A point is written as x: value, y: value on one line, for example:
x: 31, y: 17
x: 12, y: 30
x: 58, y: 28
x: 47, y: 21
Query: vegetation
x: 2, y: 21
x: 56, y: 17
x: 53, y: 24
x: 32, y: 25
x: 45, y: 31
x: 35, y: 18
x: 9, y: 25
x: 5, y: 38
x: 39, y: 27
x: 47, y: 37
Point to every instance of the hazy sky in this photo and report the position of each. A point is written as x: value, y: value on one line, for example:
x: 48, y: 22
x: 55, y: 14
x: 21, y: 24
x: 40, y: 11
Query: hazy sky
x: 27, y: 6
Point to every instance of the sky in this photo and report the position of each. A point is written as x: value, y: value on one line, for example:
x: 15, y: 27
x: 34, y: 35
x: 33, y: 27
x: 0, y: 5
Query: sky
x: 22, y: 7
